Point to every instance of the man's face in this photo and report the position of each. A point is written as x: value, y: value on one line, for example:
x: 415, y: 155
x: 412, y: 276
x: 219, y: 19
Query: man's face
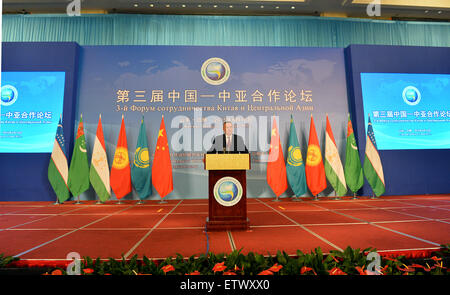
x: 228, y: 128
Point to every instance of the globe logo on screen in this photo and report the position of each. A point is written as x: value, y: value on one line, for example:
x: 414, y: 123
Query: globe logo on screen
x: 228, y: 191
x: 9, y: 95
x: 411, y: 95
x: 215, y: 71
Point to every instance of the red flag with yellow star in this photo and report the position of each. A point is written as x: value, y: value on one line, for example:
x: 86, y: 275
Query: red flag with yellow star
x: 276, y: 168
x: 162, y: 166
x: 314, y: 168
x: 120, y: 178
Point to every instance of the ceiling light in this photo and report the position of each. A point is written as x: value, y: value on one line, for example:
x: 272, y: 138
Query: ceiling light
x: 167, y: 5
x: 199, y: 5
x: 136, y: 5
x: 262, y: 6
x: 183, y: 5
x: 215, y: 6
x: 246, y: 6
x: 277, y: 7
x: 231, y: 6
x: 439, y: 12
x: 292, y: 7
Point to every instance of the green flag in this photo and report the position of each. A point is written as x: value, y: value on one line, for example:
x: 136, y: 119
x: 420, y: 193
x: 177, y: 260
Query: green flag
x: 141, y: 172
x: 352, y: 169
x: 295, y: 167
x: 79, y: 167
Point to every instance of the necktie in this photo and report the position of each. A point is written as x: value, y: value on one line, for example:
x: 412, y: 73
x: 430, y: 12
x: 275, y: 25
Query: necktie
x: 228, y: 143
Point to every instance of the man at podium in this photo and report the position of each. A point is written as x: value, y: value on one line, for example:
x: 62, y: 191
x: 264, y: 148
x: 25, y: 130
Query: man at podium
x: 228, y: 142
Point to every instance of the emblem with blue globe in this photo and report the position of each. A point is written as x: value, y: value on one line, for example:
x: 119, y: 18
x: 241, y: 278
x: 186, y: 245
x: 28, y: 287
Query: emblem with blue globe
x: 9, y: 95
x: 228, y: 191
x: 215, y: 71
x: 411, y: 95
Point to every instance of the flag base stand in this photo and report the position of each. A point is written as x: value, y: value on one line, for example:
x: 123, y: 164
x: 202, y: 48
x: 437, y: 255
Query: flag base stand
x: 120, y: 202
x: 373, y: 197
x: 99, y: 202
x: 162, y: 202
x: 337, y: 198
x: 276, y: 199
x: 354, y: 197
x: 78, y: 201
x: 316, y: 198
x: 57, y: 203
x: 296, y: 199
x: 140, y: 202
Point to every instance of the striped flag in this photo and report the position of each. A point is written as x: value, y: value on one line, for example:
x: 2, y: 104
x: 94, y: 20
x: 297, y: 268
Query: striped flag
x: 99, y: 171
x: 373, y: 170
x: 58, y: 171
x: 333, y: 165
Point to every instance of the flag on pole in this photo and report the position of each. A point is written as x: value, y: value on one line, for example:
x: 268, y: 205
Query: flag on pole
x: 373, y: 170
x: 314, y: 169
x: 99, y: 171
x: 141, y: 173
x: 333, y: 165
x: 162, y: 166
x: 352, y: 169
x: 79, y: 166
x: 295, y: 168
x: 120, y: 170
x: 58, y: 171
x: 276, y: 168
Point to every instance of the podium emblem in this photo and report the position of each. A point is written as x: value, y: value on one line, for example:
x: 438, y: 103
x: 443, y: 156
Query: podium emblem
x: 228, y: 191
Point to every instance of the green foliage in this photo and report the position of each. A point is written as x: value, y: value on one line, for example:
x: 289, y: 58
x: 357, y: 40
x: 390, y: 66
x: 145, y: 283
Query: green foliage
x: 5, y: 260
x: 350, y: 262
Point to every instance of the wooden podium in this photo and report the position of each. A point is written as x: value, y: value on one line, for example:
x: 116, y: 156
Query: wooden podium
x: 227, y: 191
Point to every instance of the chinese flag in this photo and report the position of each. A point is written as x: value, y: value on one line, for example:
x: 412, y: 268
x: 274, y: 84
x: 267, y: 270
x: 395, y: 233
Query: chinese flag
x: 314, y: 168
x: 162, y: 166
x: 120, y: 171
x: 276, y: 168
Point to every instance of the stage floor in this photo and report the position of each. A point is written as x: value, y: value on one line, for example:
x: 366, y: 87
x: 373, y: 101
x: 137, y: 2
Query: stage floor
x: 396, y: 224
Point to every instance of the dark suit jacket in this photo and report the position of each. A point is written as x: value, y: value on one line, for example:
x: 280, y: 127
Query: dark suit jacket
x: 237, y: 144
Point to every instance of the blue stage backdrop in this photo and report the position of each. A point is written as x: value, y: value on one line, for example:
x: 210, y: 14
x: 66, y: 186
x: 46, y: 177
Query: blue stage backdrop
x: 196, y: 87
x: 45, y: 75
x: 410, y: 107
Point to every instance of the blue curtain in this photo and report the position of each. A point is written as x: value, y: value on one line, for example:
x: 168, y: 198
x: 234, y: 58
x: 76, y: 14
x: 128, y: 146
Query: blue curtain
x: 221, y: 30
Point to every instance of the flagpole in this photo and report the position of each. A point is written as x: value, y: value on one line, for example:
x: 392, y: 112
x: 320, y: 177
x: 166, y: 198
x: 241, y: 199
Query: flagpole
x: 78, y: 200
x: 119, y: 202
x: 316, y: 197
x: 140, y: 202
x: 354, y: 196
x: 276, y: 199
x: 336, y: 198
x: 296, y: 199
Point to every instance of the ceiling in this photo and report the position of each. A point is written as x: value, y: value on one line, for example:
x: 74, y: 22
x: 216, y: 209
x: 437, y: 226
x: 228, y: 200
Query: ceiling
x: 436, y: 10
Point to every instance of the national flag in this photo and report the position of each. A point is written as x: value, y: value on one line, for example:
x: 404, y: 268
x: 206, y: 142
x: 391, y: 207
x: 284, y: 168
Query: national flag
x: 99, y: 172
x: 333, y: 165
x: 314, y: 169
x: 373, y: 170
x: 141, y: 173
x: 58, y: 171
x: 276, y: 168
x: 120, y: 170
x: 162, y: 166
x: 79, y: 166
x: 352, y: 169
x: 295, y: 168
